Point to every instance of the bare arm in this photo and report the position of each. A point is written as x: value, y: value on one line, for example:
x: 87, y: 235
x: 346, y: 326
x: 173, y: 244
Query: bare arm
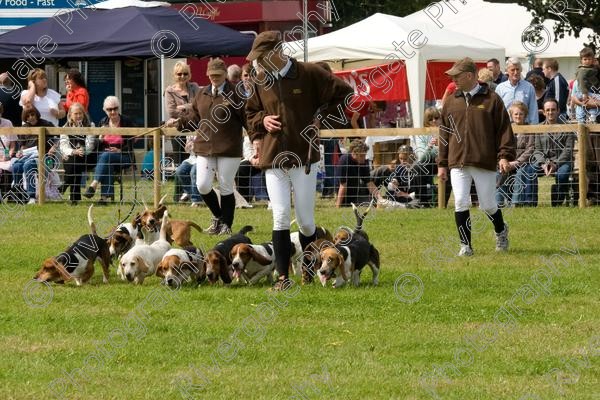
x: 341, y: 195
x: 28, y: 95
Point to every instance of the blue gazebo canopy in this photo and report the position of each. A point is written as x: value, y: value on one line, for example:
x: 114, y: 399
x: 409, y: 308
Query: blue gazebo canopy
x: 123, y: 32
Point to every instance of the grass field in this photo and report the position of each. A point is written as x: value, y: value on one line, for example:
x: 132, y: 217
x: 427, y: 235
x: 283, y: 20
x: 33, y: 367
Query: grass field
x: 521, y: 325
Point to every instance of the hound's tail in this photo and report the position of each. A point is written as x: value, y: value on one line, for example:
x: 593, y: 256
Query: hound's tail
x: 360, y: 217
x: 195, y: 226
x: 91, y: 220
x: 245, y: 230
x: 164, y: 226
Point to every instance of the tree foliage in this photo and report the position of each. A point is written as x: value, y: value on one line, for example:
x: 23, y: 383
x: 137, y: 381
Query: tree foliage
x: 352, y: 11
x: 571, y: 16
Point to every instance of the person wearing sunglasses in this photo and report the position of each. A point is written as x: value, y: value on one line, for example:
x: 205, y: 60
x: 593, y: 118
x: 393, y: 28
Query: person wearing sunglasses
x: 178, y: 98
x: 115, y: 152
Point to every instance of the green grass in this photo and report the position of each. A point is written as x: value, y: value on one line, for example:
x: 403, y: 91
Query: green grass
x: 351, y: 343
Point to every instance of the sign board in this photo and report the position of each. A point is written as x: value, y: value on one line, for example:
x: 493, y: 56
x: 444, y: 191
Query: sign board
x: 17, y: 13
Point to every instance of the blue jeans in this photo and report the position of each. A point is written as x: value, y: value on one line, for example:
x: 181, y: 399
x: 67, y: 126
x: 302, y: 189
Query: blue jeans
x: 563, y: 173
x: 26, y: 165
x: 328, y: 150
x: 526, y: 186
x: 108, y: 163
x: 504, y: 191
x: 185, y: 178
x: 259, y: 187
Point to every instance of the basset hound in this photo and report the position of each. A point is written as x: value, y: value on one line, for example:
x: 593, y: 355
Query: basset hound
x: 253, y: 262
x: 218, y: 259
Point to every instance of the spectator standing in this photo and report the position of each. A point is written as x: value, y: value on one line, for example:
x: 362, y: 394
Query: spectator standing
x: 588, y: 82
x: 476, y: 116
x: 178, y: 104
x: 516, y: 88
x: 246, y: 87
x: 537, y: 70
x: 557, y: 87
x: 76, y: 90
x: 234, y: 74
x: 12, y: 109
x: 486, y: 76
x: 45, y: 100
x: 540, y: 94
x: 494, y: 66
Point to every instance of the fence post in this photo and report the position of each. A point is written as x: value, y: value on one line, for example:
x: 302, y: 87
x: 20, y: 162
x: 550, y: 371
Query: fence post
x: 583, y: 134
x: 156, y: 173
x: 41, y: 166
x: 441, y: 189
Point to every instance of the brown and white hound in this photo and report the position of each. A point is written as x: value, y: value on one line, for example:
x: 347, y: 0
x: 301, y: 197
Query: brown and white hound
x: 76, y: 262
x: 253, y: 262
x: 345, y: 262
x: 218, y: 259
x: 181, y: 265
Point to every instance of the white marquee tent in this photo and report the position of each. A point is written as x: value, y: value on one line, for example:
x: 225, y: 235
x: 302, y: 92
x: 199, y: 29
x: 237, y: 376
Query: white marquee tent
x: 503, y: 24
x: 379, y: 39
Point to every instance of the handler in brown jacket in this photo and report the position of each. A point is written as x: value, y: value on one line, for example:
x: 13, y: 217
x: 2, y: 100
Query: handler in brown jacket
x: 475, y: 136
x: 219, y: 123
x: 289, y: 100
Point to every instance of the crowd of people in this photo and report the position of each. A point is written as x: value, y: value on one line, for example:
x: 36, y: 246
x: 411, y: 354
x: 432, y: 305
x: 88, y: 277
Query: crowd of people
x: 229, y: 156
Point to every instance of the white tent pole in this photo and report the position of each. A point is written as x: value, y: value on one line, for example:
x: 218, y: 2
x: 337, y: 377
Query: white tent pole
x: 160, y: 109
x: 416, y: 70
x: 305, y: 28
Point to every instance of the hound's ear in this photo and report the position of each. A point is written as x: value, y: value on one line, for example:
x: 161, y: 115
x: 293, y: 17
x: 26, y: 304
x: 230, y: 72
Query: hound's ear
x: 137, y: 220
x: 223, y: 270
x: 259, y: 258
x: 160, y: 211
x: 234, y: 250
x: 160, y: 270
x: 141, y: 264
x: 341, y: 266
x: 50, y: 264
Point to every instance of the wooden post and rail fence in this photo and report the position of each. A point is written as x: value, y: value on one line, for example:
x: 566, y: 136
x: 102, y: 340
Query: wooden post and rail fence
x: 582, y: 131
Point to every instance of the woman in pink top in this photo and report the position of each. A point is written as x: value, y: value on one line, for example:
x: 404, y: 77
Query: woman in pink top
x: 76, y: 90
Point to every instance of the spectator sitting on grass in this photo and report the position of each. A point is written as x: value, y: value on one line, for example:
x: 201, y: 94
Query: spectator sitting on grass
x: 401, y: 180
x: 356, y: 184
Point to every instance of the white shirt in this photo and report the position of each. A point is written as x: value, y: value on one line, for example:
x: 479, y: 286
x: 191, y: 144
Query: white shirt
x: 44, y: 104
x: 283, y: 71
x: 473, y: 91
x: 6, y: 139
x: 219, y: 89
